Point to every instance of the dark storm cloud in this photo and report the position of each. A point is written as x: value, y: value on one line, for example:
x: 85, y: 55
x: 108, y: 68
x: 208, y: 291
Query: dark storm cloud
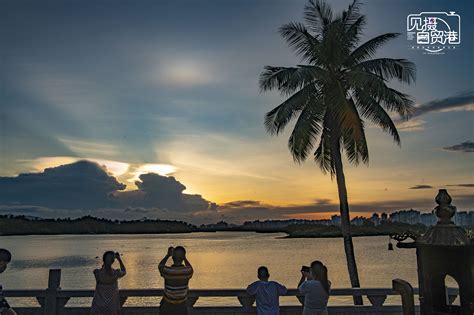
x: 86, y: 186
x: 456, y: 102
x: 156, y: 191
x: 421, y: 187
x: 79, y: 185
x: 467, y: 146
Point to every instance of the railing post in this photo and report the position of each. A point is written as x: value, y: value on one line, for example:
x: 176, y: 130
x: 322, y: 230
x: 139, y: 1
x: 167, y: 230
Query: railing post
x: 54, y: 283
x: 191, y: 300
x: 451, y: 296
x: 377, y: 300
x: 246, y: 302
x: 406, y: 291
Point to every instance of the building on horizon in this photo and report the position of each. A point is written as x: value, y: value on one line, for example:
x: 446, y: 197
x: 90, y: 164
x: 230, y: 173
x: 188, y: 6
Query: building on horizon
x: 336, y: 219
x: 462, y: 218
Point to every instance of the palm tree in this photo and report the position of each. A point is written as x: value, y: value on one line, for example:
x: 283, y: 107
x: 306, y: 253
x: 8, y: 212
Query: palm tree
x: 340, y: 85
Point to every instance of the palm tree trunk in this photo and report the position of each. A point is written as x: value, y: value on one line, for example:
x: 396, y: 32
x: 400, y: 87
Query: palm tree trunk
x: 345, y: 223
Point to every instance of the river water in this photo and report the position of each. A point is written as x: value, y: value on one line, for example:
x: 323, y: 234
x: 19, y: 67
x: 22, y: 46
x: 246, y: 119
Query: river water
x: 220, y: 260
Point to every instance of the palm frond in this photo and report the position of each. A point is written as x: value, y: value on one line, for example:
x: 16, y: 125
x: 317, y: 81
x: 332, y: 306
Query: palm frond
x: 375, y: 86
x: 353, y: 135
x: 398, y: 102
x: 373, y: 111
x: 277, y: 119
x: 352, y: 14
x: 354, y: 31
x: 368, y: 49
x: 335, y: 97
x: 307, y: 129
x: 317, y: 15
x: 288, y: 80
x: 323, y: 155
x: 388, y: 68
x: 298, y: 37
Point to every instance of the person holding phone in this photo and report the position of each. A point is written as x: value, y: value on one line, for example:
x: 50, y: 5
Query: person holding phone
x: 106, y: 299
x: 315, y: 287
x: 176, y: 278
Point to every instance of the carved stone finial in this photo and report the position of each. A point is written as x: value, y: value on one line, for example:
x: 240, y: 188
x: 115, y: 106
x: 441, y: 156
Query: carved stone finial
x: 444, y: 211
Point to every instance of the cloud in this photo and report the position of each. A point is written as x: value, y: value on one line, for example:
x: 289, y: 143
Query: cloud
x: 462, y: 185
x: 86, y: 185
x: 116, y: 168
x: 467, y: 146
x: 411, y: 125
x: 86, y: 188
x: 422, y: 187
x: 161, y: 169
x: 460, y: 102
x: 241, y: 203
x: 88, y: 148
x: 81, y: 184
x: 157, y: 191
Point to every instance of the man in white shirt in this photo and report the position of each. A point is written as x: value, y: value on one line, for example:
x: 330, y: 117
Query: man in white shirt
x: 267, y: 293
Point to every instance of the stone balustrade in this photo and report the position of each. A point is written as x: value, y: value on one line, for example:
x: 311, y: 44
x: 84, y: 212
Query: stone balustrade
x: 54, y: 300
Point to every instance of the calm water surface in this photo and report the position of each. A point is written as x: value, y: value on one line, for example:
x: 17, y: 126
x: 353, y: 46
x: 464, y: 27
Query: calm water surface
x: 220, y: 260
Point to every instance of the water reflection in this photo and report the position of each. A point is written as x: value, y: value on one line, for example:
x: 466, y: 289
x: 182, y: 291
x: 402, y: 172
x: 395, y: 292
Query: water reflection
x: 220, y: 260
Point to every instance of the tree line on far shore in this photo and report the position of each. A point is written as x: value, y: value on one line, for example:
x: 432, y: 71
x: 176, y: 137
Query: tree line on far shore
x: 23, y: 225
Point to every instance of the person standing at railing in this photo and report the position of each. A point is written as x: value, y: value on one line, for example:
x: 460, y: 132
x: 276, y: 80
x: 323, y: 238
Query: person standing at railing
x: 176, y: 278
x: 106, y: 299
x: 5, y: 259
x: 267, y: 293
x: 315, y: 287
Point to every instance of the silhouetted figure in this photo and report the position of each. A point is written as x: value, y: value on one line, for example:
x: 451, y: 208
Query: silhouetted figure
x: 106, y: 296
x: 315, y: 287
x: 5, y: 259
x: 176, y: 282
x: 267, y: 293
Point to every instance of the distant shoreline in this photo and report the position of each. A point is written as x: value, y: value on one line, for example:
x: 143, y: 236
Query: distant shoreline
x: 24, y: 226
x: 20, y: 225
x: 287, y: 236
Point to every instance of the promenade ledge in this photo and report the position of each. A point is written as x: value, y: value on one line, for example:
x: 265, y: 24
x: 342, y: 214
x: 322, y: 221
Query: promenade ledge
x: 54, y: 300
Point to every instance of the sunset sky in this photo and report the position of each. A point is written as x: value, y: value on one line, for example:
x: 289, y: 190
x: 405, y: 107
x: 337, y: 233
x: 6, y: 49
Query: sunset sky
x: 171, y: 87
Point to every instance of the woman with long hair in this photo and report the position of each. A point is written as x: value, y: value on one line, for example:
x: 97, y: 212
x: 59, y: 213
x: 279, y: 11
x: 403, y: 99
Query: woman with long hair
x: 315, y: 287
x: 106, y: 296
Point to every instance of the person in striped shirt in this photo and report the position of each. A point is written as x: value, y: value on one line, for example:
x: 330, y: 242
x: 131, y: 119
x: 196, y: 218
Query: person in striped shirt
x: 176, y: 279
